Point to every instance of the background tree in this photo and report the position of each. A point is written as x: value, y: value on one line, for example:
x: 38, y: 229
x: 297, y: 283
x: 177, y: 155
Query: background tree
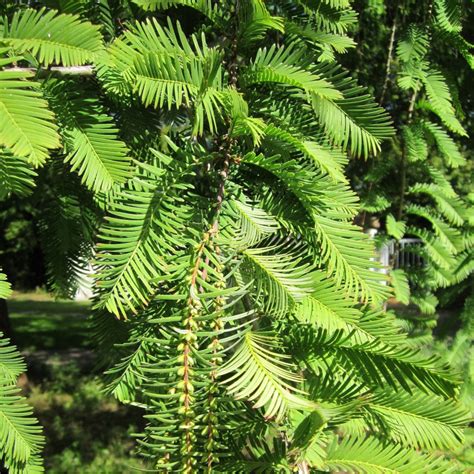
x: 201, y: 165
x: 414, y: 191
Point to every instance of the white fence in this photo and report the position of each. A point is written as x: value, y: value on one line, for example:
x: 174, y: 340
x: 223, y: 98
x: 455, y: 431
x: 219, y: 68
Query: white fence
x: 402, y: 256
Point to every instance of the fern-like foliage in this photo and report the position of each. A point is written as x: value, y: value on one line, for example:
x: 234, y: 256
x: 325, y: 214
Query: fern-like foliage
x: 282, y: 278
x: 91, y: 144
x: 354, y: 121
x: 27, y: 126
x: 66, y: 228
x: 236, y: 301
x: 262, y: 375
x: 203, y: 6
x: 20, y: 434
x: 415, y: 423
x: 16, y: 175
x: 150, y: 220
x: 21, y: 438
x: 5, y: 288
x: 52, y: 38
x: 401, y: 286
x: 370, y: 456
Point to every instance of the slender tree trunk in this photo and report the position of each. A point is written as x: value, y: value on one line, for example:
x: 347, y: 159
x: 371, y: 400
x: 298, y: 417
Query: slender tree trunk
x: 389, y: 58
x: 5, y: 323
x: 403, y: 161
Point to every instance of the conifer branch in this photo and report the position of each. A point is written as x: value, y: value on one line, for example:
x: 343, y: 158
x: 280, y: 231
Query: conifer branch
x: 55, y: 70
x: 239, y: 283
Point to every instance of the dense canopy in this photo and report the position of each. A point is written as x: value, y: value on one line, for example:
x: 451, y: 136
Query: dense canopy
x: 217, y: 163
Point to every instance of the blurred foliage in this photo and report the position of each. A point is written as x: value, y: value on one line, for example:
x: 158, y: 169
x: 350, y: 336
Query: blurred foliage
x: 65, y: 392
x: 20, y: 251
x: 73, y: 410
x: 379, y: 182
x: 459, y: 351
x: 449, y: 334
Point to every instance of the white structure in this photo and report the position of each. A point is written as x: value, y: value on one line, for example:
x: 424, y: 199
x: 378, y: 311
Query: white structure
x: 400, y: 257
x: 84, y: 290
x: 403, y: 258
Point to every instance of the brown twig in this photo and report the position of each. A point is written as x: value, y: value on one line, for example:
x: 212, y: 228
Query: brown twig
x: 389, y: 58
x: 56, y: 70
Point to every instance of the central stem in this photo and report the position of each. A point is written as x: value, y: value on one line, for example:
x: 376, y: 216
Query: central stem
x: 222, y: 167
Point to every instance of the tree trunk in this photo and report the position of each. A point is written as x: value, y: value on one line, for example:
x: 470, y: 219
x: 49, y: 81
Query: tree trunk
x: 5, y: 323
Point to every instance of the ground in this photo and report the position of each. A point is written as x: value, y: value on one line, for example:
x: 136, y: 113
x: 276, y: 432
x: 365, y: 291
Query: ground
x: 86, y: 432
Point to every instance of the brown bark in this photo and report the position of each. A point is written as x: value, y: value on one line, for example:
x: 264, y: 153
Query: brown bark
x: 5, y: 322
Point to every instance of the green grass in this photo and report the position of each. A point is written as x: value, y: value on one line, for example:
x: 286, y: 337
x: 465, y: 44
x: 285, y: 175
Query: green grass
x: 86, y: 431
x: 45, y: 324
